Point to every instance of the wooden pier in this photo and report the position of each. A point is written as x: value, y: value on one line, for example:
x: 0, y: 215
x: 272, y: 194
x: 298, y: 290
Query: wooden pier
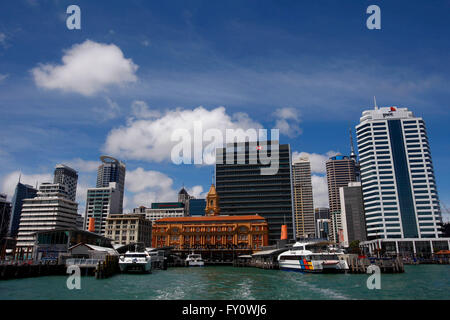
x: 26, y: 270
x: 386, y: 265
x: 107, y: 268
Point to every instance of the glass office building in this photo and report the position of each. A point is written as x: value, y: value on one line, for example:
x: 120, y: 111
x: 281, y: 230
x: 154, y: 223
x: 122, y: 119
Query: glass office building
x: 397, y: 175
x: 245, y: 189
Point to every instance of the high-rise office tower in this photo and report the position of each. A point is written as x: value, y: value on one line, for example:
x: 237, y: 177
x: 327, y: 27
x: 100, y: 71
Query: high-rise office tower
x: 112, y: 170
x: 244, y: 187
x: 397, y: 175
x: 352, y: 213
x: 67, y: 176
x: 23, y: 191
x: 5, y: 216
x: 303, y: 199
x: 184, y: 197
x: 51, y: 209
x: 101, y: 202
x: 340, y: 171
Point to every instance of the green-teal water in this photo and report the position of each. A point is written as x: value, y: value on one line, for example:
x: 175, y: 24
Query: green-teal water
x: 418, y: 282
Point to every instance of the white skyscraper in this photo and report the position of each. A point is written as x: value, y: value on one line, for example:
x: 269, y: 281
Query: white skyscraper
x: 398, y: 183
x: 51, y: 209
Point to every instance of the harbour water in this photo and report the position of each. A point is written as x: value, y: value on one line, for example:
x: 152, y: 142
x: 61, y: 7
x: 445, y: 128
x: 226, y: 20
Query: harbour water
x: 418, y: 282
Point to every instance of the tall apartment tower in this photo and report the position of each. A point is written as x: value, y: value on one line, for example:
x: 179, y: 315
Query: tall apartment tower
x: 51, y: 209
x: 244, y: 187
x: 112, y: 170
x: 67, y: 176
x: 101, y: 202
x: 340, y: 171
x: 303, y: 199
x: 23, y: 191
x: 397, y: 175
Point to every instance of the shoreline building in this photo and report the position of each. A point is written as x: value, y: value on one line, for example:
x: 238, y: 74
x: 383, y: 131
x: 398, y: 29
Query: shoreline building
x: 161, y: 210
x: 246, y: 187
x: 5, y: 216
x: 129, y: 228
x: 303, y: 199
x: 23, y: 191
x: 352, y: 213
x: 112, y: 170
x: 68, y: 177
x: 397, y: 175
x: 214, y: 235
x: 100, y: 203
x: 51, y: 209
x: 197, y: 207
x: 184, y: 197
x: 340, y: 171
x: 322, y: 222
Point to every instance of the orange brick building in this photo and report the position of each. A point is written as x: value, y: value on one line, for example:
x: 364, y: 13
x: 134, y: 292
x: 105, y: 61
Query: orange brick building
x: 211, y: 232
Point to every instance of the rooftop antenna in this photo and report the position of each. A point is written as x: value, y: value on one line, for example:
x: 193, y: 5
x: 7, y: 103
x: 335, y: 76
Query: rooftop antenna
x: 20, y: 176
x: 212, y: 177
x: 375, y: 103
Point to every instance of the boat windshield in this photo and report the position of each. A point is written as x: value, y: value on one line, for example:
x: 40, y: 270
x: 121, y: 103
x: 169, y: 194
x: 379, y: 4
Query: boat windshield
x: 324, y: 257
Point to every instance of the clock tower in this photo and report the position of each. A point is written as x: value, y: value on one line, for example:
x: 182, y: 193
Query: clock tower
x: 212, y: 202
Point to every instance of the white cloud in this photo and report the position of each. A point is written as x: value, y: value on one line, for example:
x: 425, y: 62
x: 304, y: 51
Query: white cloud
x: 320, y: 191
x: 108, y: 112
x: 287, y: 120
x: 83, y: 165
x: 141, y: 110
x: 3, y: 77
x: 148, y: 186
x: 139, y: 180
x: 87, y: 68
x: 316, y: 160
x: 10, y: 181
x: 150, y: 139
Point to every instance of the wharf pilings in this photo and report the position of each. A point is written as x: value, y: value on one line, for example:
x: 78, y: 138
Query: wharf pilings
x: 27, y: 270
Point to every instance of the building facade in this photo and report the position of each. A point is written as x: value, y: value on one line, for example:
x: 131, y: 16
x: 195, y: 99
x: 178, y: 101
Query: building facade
x: 340, y: 171
x: 245, y: 187
x: 303, y: 199
x: 397, y: 175
x: 161, y: 210
x: 66, y: 176
x: 129, y: 228
x: 51, y: 209
x: 101, y: 202
x: 5, y: 216
x: 352, y: 213
x: 112, y: 170
x: 23, y: 191
x: 197, y: 207
x: 212, y: 231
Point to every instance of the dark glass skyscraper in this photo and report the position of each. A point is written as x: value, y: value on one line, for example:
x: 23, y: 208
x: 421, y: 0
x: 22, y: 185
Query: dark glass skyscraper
x: 5, y: 215
x: 23, y: 191
x: 244, y: 190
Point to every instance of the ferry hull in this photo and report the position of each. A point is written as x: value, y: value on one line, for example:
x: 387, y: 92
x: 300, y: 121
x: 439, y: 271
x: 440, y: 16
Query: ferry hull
x: 135, y: 267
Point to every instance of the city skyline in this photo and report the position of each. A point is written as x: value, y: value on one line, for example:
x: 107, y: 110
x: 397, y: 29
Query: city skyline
x: 174, y: 59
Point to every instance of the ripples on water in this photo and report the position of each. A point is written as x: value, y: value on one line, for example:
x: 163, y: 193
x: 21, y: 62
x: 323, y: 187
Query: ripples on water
x: 418, y: 282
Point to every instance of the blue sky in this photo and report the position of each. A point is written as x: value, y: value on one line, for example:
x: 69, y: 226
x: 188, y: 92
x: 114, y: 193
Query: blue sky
x: 253, y: 57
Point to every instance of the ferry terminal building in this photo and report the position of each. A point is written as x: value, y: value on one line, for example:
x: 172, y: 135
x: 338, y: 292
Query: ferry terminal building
x: 215, y: 237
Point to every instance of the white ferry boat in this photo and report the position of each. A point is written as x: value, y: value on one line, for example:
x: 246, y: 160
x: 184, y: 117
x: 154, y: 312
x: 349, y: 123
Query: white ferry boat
x: 194, y: 260
x: 312, y: 257
x: 135, y: 261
